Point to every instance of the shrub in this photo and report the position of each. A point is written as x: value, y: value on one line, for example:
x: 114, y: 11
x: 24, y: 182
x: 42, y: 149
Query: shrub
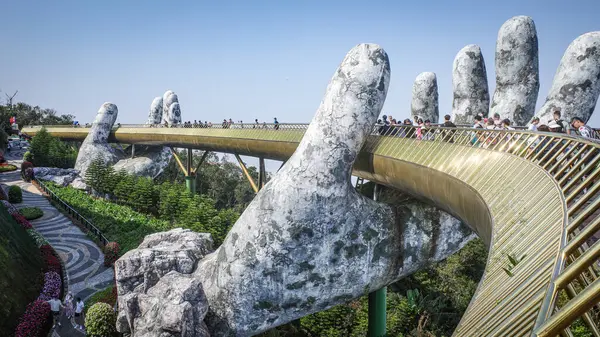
x: 100, y: 320
x: 24, y: 166
x: 22, y: 221
x: 28, y: 175
x: 111, y: 253
x: 52, y: 286
x: 108, y: 296
x: 27, y: 157
x: 15, y: 195
x: 31, y: 213
x: 7, y: 168
x: 33, y: 320
x: 39, y: 240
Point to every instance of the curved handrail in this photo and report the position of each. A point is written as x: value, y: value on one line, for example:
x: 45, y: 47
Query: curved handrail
x: 555, y: 186
x: 88, y: 224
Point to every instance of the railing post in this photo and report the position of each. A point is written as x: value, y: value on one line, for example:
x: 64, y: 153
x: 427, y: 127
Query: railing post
x: 377, y: 304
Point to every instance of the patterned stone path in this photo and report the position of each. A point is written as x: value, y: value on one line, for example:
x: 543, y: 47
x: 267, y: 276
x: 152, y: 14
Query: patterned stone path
x: 86, y: 273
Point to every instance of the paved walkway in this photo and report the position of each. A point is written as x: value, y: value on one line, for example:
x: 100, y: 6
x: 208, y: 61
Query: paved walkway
x: 86, y: 273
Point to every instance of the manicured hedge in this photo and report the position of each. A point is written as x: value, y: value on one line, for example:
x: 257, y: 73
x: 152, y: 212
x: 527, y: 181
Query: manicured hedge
x: 15, y: 195
x: 31, y: 213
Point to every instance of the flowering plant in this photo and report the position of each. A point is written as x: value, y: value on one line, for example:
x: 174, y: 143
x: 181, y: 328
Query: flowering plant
x: 10, y: 207
x: 28, y: 175
x: 39, y: 240
x: 52, y: 286
x: 51, y: 261
x: 22, y: 221
x: 111, y: 253
x: 33, y: 320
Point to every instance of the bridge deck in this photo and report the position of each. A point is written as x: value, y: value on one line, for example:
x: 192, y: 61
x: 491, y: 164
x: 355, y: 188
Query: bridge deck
x: 530, y: 196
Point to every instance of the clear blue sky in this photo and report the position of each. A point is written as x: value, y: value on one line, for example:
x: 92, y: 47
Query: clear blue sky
x: 252, y: 59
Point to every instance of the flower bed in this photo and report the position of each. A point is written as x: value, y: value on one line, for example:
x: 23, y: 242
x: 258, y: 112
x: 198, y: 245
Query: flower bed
x: 7, y: 168
x: 52, y: 263
x: 22, y: 221
x: 34, y: 319
x: 52, y: 286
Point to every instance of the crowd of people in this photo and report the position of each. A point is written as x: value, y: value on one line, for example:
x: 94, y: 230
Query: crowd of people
x: 226, y: 124
x: 388, y: 125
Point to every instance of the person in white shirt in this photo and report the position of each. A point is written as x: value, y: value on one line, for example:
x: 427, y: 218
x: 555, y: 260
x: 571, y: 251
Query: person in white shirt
x: 534, y: 123
x: 55, y: 305
x: 79, y: 314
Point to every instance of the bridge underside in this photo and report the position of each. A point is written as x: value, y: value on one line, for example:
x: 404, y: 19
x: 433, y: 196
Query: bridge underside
x: 512, y: 198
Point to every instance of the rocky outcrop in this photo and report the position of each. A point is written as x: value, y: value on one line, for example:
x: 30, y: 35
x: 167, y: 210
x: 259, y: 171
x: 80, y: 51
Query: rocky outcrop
x: 150, y: 161
x: 517, y: 71
x: 424, y: 103
x: 470, y: 86
x: 95, y: 144
x: 155, y: 114
x: 156, y: 293
x: 62, y: 177
x: 576, y: 85
x: 174, y: 307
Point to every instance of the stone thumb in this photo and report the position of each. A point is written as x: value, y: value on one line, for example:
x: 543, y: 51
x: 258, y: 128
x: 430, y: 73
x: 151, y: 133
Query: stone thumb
x: 103, y: 123
x: 352, y: 102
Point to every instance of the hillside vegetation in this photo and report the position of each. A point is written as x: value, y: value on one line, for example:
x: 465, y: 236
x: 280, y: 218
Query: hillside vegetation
x: 20, y: 263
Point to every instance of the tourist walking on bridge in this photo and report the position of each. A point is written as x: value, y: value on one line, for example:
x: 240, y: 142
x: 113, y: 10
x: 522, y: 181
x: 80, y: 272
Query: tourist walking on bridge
x: 583, y: 129
x: 55, y: 306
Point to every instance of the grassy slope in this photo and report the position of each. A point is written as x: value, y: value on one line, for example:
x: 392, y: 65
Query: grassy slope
x: 20, y: 276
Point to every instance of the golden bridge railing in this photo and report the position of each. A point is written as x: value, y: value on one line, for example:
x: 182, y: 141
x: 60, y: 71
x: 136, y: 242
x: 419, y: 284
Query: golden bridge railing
x: 574, y: 165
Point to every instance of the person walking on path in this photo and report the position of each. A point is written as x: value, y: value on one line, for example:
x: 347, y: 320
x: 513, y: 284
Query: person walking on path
x: 69, y: 306
x: 55, y: 306
x: 79, y: 314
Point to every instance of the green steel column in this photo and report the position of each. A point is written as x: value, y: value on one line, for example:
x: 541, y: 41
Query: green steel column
x: 377, y: 304
x: 190, y: 183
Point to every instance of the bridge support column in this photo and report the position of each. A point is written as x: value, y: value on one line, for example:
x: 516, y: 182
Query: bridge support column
x: 377, y: 303
x: 246, y: 173
x: 132, y: 151
x: 190, y: 183
x: 262, y: 174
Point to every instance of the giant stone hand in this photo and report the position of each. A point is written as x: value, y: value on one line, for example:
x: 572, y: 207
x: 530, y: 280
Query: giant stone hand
x: 308, y: 240
x: 150, y: 161
x: 96, y: 144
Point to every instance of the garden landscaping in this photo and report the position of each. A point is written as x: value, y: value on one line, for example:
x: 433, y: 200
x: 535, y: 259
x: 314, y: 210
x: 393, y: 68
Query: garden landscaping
x: 7, y: 168
x: 36, y: 320
x: 31, y: 213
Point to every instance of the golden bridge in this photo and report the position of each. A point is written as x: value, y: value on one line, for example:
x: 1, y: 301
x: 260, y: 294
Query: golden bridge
x: 533, y: 198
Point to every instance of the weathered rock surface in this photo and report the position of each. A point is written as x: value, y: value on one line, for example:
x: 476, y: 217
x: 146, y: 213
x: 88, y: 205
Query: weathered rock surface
x: 469, y: 81
x: 95, y: 144
x: 174, y: 307
x: 170, y: 113
x: 59, y: 176
x: 576, y: 85
x: 151, y: 161
x: 308, y: 240
x: 425, y: 98
x: 155, y: 114
x: 142, y: 284
x: 517, y: 71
